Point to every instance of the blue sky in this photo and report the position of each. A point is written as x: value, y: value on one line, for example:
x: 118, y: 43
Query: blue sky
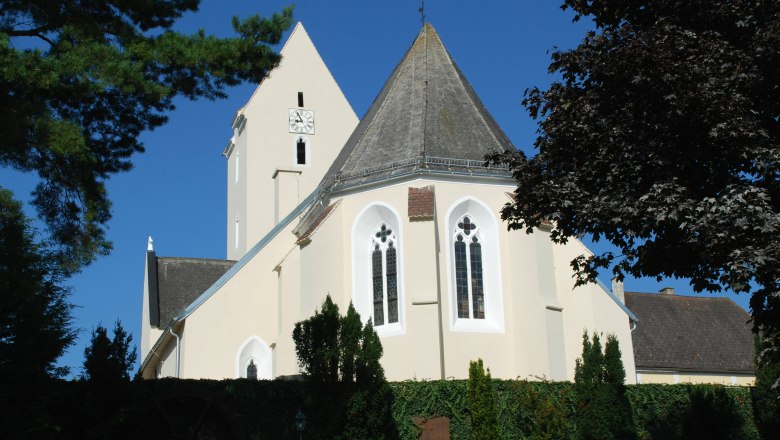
x: 176, y: 191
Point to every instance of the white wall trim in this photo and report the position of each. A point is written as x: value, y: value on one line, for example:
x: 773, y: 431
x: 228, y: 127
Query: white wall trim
x: 254, y: 348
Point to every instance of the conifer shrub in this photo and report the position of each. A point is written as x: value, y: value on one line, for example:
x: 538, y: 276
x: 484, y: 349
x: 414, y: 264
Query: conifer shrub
x: 339, y: 359
x: 603, y: 410
x: 481, y: 404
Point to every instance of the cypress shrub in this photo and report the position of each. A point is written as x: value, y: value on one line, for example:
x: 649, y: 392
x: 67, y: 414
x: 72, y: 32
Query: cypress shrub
x: 481, y: 405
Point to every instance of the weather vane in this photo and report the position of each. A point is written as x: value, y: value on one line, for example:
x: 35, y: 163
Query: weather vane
x: 422, y: 11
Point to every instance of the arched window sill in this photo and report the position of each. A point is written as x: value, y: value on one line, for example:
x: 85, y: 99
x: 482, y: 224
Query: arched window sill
x: 387, y: 330
x: 477, y: 326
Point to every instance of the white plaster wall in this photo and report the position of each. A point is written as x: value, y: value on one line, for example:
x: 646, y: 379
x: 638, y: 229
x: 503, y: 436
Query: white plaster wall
x: 251, y: 303
x: 266, y: 145
x: 245, y: 306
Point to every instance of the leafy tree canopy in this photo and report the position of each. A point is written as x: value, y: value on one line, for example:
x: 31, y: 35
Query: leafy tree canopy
x: 662, y: 138
x: 105, y: 70
x: 35, y: 316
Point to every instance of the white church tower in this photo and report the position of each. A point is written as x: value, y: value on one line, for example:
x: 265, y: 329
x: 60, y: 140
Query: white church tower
x: 284, y: 140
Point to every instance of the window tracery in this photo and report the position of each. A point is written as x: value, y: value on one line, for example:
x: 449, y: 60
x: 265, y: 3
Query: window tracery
x: 469, y: 284
x: 384, y: 275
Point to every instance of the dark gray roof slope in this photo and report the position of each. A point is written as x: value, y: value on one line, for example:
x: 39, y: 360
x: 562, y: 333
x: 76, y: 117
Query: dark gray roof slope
x: 690, y: 333
x: 181, y: 280
x: 426, y: 118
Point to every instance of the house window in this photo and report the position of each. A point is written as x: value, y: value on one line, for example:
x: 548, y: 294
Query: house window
x: 384, y: 276
x: 251, y: 370
x: 300, y: 152
x: 475, y: 292
x: 300, y: 99
x: 468, y: 270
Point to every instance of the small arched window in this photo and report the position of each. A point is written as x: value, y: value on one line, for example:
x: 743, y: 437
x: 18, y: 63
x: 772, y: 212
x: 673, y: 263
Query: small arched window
x: 251, y: 370
x: 384, y: 274
x: 468, y: 270
x: 300, y: 151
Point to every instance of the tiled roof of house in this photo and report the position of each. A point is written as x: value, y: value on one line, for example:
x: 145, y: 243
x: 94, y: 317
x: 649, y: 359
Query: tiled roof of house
x: 181, y: 280
x: 705, y: 334
x: 426, y: 118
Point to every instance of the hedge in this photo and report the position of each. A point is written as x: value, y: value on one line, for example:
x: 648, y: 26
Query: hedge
x: 247, y: 409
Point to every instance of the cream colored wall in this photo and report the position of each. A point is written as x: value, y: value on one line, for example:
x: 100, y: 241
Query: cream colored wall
x: 251, y: 303
x: 670, y: 377
x: 589, y: 308
x: 246, y: 306
x: 521, y: 350
x: 266, y: 146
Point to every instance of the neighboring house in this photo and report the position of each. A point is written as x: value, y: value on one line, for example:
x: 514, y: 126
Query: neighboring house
x: 682, y: 339
x: 396, y: 213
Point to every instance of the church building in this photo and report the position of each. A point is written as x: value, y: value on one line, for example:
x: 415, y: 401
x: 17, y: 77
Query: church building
x: 396, y: 213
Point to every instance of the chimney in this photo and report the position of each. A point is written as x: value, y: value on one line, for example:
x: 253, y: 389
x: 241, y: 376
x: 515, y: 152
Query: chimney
x: 617, y: 289
x: 667, y: 291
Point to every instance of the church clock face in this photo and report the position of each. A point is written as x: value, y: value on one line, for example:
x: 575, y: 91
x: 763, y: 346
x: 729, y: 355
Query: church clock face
x: 301, y: 121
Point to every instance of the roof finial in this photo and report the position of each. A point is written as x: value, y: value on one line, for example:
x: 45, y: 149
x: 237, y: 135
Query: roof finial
x: 422, y: 11
x: 150, y: 245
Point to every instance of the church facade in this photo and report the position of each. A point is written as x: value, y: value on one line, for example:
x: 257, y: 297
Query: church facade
x: 396, y: 213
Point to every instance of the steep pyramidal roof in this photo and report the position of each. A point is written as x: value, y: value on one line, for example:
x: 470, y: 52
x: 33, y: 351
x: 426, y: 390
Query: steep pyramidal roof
x: 427, y: 118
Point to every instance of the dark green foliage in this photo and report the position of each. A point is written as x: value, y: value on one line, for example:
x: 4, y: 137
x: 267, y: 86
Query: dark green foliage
x: 108, y: 361
x: 35, y: 321
x: 481, y: 407
x: 614, y: 372
x: 317, y: 343
x: 351, y: 334
x: 766, y: 402
x: 662, y: 136
x: 247, y: 409
x: 679, y: 411
x: 546, y: 410
x: 339, y: 357
x: 603, y: 411
x: 72, y: 109
x: 35, y: 316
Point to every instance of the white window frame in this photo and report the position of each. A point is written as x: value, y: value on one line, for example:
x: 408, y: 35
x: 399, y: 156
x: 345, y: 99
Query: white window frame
x: 255, y: 349
x: 483, y: 216
x: 367, y: 222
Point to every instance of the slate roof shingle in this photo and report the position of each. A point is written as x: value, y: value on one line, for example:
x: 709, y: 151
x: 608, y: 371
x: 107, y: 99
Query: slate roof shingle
x: 706, y: 334
x: 427, y: 117
x: 181, y: 280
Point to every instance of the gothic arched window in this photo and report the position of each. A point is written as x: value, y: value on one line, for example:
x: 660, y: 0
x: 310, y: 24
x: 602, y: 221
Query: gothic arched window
x: 470, y: 289
x: 251, y: 370
x: 384, y: 276
x: 475, y: 286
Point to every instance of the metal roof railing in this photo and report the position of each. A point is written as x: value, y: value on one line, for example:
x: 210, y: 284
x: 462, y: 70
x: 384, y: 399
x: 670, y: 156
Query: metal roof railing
x: 419, y: 161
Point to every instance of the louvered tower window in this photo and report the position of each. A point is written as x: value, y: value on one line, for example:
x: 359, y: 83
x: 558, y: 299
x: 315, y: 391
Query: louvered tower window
x: 300, y: 151
x: 469, y: 285
x: 384, y: 275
